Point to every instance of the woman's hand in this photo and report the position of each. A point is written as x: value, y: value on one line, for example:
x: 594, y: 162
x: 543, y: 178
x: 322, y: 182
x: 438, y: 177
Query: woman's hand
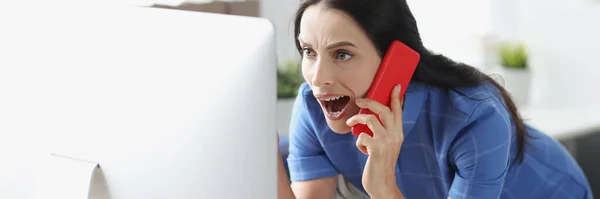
x: 379, y: 178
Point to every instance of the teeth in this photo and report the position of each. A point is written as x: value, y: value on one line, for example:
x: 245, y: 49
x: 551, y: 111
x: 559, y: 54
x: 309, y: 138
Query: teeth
x: 336, y: 113
x: 331, y: 98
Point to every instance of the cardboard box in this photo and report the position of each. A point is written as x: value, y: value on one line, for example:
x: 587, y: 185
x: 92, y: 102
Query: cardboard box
x: 214, y: 7
x: 249, y: 8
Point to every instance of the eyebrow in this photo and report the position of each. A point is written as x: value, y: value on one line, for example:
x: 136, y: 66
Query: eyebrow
x: 303, y: 43
x: 340, y: 44
x: 335, y: 45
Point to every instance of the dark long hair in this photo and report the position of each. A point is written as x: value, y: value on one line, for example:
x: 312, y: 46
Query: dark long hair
x: 388, y: 20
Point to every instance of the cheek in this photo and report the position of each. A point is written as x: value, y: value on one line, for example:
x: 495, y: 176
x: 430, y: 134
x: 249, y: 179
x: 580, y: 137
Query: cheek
x: 361, y: 86
x: 307, y: 73
x: 360, y: 82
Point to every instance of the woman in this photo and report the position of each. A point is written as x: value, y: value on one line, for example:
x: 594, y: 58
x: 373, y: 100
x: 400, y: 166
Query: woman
x: 457, y: 134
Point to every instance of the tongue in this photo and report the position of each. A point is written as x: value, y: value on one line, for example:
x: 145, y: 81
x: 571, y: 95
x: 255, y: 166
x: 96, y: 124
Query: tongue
x: 338, y: 105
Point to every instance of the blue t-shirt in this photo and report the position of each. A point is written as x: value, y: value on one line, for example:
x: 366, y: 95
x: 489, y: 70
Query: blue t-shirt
x: 455, y: 145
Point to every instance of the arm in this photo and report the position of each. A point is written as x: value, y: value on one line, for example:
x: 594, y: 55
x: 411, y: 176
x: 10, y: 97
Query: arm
x: 284, y: 190
x: 392, y: 192
x: 319, y: 188
x: 481, y: 153
x: 383, y: 148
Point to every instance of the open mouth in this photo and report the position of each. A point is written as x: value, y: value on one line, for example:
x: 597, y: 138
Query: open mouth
x: 335, y: 106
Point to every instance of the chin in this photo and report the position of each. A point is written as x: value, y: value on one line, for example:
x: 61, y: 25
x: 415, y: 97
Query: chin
x: 337, y: 109
x: 339, y: 127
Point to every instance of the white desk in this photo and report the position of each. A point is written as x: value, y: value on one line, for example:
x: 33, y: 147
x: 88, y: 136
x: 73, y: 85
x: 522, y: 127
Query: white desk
x: 564, y: 124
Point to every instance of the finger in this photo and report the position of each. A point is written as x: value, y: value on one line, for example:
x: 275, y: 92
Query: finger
x: 387, y: 118
x: 364, y: 142
x: 370, y: 120
x: 396, y: 105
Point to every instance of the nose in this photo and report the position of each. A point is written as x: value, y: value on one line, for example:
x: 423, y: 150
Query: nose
x: 323, y: 74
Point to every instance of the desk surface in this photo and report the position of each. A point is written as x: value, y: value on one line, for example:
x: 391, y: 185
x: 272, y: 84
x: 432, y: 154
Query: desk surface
x: 563, y: 123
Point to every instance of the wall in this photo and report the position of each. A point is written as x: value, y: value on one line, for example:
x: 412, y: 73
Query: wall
x: 454, y: 28
x: 281, y: 13
x: 464, y: 23
x: 564, y: 39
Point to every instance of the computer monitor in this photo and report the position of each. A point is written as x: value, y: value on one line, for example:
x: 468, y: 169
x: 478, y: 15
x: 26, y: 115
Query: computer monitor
x: 170, y: 104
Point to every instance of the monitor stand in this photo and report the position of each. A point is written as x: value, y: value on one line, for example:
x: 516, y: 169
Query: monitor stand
x: 69, y: 178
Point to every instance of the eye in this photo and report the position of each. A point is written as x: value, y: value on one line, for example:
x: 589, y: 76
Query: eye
x: 308, y: 52
x: 343, y: 56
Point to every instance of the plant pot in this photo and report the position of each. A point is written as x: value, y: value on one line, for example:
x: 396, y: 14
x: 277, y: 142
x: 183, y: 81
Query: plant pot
x: 284, y: 114
x: 518, y: 83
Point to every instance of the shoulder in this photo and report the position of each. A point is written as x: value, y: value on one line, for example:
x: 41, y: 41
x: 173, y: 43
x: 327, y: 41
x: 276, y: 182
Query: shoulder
x: 486, y: 127
x: 483, y: 101
x: 468, y: 102
x: 473, y: 116
x: 482, y: 140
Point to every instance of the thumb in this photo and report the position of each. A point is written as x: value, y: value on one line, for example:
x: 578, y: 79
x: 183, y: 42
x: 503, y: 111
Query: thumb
x: 364, y: 142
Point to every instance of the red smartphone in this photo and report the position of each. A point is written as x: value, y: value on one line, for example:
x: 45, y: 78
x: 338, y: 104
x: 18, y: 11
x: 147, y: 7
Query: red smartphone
x: 397, y: 67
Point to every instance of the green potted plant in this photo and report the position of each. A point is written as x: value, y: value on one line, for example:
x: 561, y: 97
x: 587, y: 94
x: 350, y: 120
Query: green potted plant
x: 514, y: 59
x: 514, y: 56
x: 289, y: 79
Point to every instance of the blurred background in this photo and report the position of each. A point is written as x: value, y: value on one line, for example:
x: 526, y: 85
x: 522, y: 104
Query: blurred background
x: 550, y: 60
x: 543, y: 51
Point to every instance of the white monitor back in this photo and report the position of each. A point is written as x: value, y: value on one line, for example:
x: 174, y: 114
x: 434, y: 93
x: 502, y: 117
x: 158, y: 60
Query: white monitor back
x: 171, y: 104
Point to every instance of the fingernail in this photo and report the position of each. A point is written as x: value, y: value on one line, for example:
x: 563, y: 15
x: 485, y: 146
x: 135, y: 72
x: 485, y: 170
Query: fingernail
x: 398, y: 87
x: 359, y: 100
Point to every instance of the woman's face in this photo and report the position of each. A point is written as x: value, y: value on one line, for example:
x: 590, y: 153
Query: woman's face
x: 339, y: 62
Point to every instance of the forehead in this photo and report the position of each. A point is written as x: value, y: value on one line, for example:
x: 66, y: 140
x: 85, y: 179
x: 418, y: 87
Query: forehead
x: 321, y: 24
